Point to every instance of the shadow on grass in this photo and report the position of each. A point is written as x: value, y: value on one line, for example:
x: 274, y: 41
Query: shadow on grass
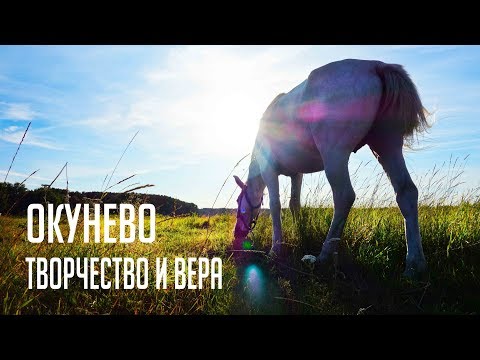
x: 285, y: 285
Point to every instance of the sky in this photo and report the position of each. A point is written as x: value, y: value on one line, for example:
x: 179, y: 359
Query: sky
x: 197, y: 110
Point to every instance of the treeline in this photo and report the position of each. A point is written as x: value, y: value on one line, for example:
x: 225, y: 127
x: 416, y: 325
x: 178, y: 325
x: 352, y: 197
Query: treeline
x: 15, y: 198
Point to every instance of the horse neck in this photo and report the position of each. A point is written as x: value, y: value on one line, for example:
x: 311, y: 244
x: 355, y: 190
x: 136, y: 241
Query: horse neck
x: 255, y: 181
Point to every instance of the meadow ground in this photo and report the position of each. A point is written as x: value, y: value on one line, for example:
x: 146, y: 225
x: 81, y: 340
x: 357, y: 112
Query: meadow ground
x: 366, y: 279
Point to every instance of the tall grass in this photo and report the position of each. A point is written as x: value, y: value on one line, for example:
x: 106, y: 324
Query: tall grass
x: 16, y: 152
x: 175, y: 237
x: 365, y: 279
x: 374, y: 241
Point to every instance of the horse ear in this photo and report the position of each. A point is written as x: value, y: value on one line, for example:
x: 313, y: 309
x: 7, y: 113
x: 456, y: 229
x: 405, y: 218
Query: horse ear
x: 238, y: 181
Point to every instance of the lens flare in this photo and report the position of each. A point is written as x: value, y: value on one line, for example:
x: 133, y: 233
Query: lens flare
x: 254, y: 281
x: 247, y: 245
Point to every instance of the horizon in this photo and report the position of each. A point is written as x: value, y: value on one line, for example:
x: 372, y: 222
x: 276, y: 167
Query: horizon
x: 197, y: 110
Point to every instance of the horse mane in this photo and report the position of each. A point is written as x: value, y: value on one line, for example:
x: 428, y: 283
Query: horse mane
x: 272, y: 104
x: 254, y: 168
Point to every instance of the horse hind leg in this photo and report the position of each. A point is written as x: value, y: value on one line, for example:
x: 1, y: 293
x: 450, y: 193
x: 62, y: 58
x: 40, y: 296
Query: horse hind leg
x: 336, y: 170
x: 296, y: 189
x: 392, y: 160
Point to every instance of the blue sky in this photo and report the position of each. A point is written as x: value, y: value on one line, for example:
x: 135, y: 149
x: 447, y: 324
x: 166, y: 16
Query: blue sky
x: 197, y: 109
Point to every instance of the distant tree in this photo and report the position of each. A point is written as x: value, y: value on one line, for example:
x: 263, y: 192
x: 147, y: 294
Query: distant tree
x: 19, y: 195
x: 11, y: 195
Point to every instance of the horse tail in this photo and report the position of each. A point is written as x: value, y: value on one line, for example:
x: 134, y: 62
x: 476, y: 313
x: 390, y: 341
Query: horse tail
x: 400, y: 105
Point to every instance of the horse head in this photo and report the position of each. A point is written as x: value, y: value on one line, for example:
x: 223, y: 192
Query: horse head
x: 249, y: 204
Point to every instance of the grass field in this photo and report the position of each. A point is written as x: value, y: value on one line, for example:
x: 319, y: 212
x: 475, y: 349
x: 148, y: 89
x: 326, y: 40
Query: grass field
x: 366, y: 279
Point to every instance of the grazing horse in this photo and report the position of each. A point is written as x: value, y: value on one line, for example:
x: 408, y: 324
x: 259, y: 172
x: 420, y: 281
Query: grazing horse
x: 339, y: 108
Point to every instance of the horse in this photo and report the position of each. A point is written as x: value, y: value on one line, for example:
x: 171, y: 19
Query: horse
x: 338, y: 109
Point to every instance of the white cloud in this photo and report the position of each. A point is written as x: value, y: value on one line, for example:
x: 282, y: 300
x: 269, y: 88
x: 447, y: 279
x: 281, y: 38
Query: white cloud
x: 12, y: 128
x: 204, y: 100
x: 13, y: 134
x: 21, y: 175
x: 16, y: 111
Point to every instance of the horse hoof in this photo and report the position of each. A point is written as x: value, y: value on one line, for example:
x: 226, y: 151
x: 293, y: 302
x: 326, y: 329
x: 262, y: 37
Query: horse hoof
x: 273, y: 253
x: 415, y: 270
x: 329, y: 248
x: 277, y: 252
x: 323, y: 258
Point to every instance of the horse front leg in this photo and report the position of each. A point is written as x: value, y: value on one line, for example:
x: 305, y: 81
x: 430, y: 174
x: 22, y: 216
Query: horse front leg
x: 271, y: 181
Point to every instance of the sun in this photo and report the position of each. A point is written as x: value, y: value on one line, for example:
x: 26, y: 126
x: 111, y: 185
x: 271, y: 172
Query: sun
x: 229, y: 109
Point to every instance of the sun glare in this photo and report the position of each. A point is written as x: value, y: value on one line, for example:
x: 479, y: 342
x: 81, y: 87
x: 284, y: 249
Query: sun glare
x: 228, y: 91
x: 234, y: 105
